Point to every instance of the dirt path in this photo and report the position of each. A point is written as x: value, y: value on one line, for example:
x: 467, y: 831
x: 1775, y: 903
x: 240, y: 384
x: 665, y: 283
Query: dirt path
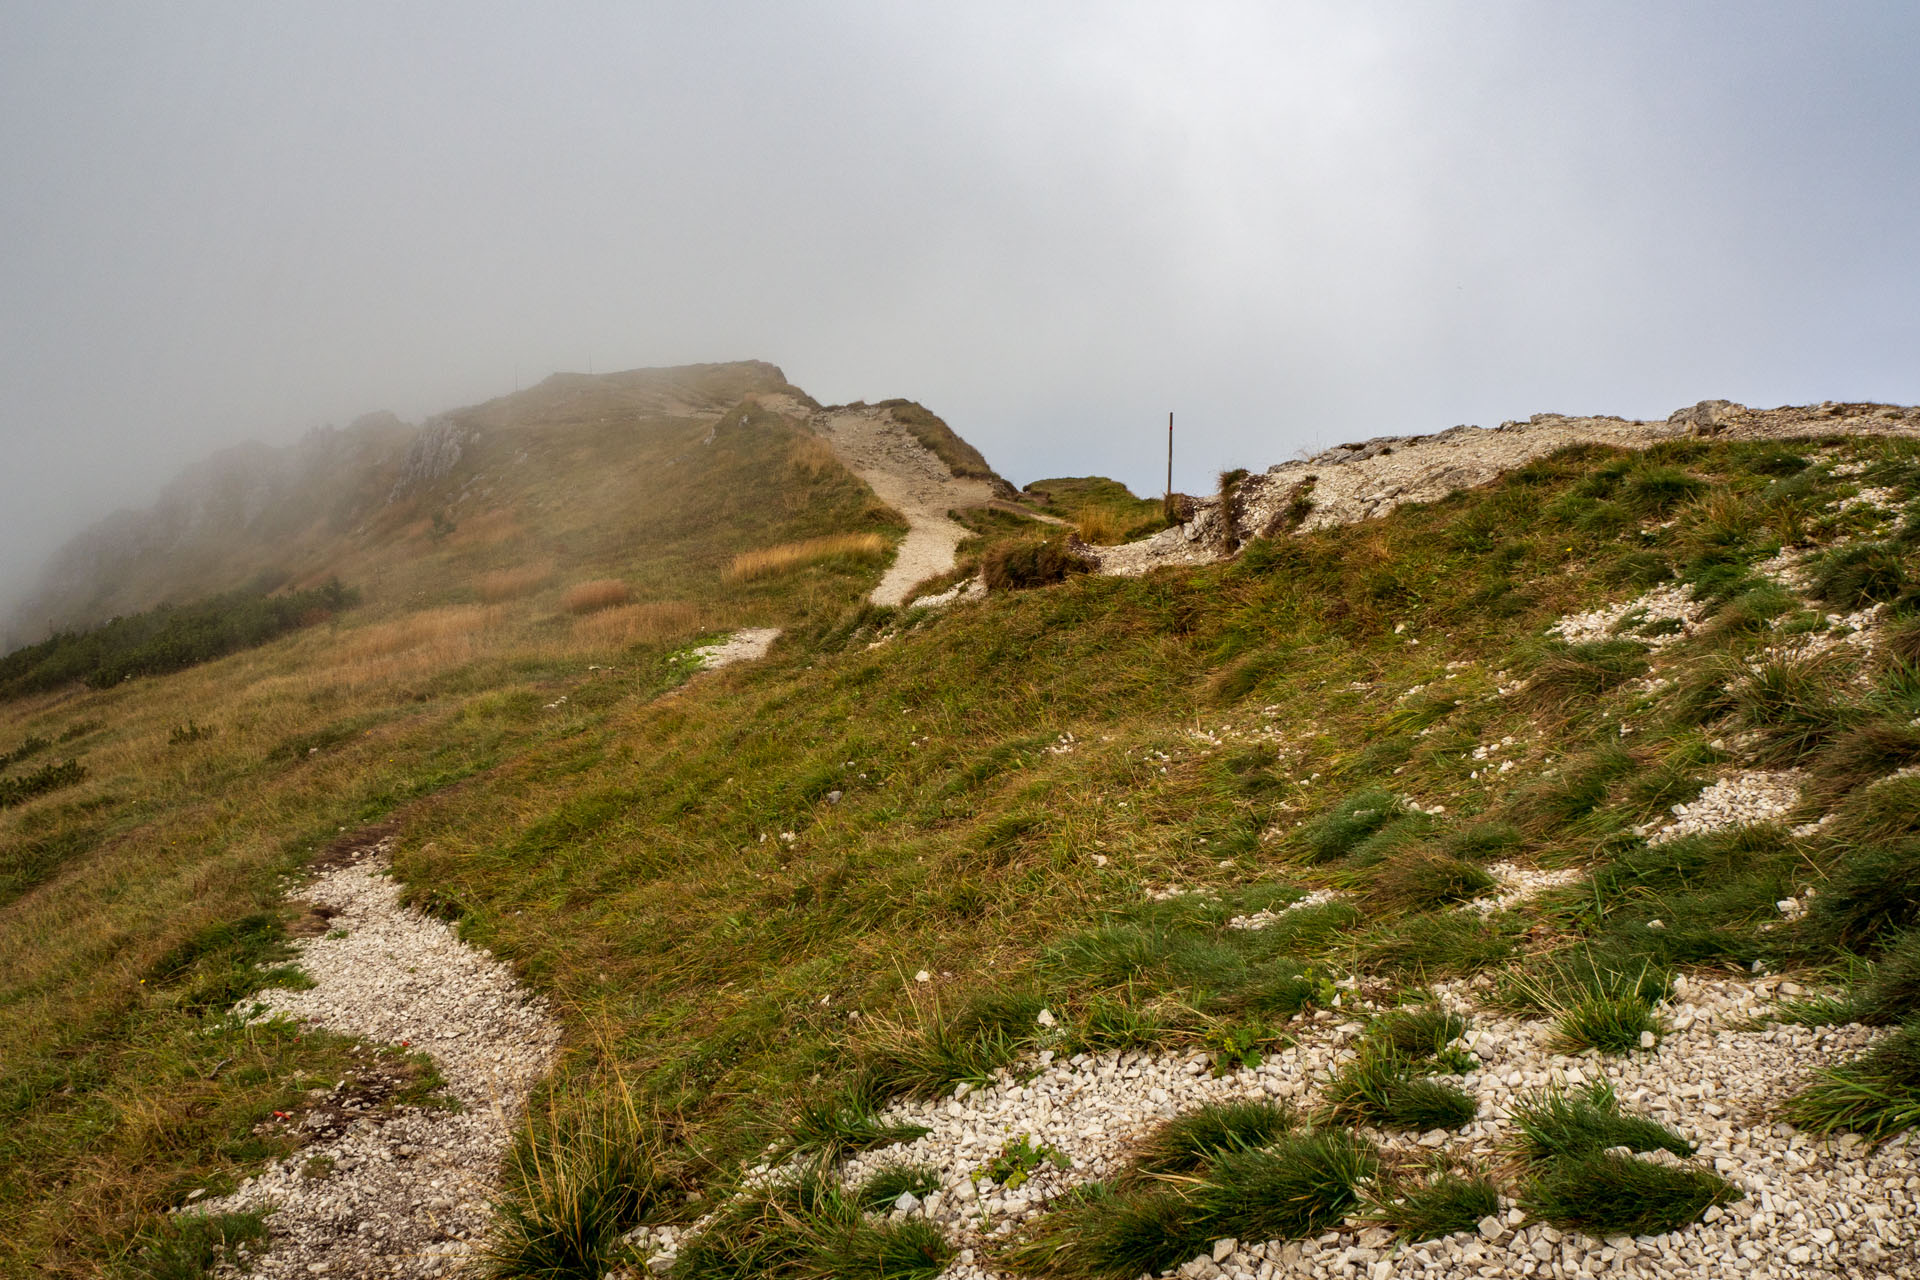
x: 405, y: 1193
x: 907, y: 477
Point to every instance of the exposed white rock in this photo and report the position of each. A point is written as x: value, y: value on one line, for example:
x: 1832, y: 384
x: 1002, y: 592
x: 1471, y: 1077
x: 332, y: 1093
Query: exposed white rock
x: 749, y: 645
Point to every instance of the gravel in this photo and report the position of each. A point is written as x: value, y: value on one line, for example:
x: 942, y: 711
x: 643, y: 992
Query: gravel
x: 749, y: 645
x: 1662, y: 604
x: 403, y: 1194
x: 1738, y: 801
x: 1811, y: 1209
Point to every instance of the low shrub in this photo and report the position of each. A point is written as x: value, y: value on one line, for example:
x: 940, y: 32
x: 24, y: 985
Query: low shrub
x: 169, y: 638
x: 1016, y: 566
x: 185, y: 734
x: 48, y: 777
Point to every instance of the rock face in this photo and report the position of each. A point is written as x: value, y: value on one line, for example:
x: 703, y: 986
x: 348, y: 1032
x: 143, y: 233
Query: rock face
x: 1709, y: 417
x: 434, y: 453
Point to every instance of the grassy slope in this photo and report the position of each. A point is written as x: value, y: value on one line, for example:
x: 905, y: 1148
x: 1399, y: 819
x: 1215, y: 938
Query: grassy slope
x: 629, y: 856
x: 164, y: 846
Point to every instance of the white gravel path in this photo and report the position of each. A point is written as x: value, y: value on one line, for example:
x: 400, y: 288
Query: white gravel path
x: 911, y: 479
x: 407, y: 1194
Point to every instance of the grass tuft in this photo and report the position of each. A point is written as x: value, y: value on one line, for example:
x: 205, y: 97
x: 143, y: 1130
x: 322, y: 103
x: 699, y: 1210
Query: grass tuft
x: 601, y: 593
x: 1876, y: 1095
x: 1606, y: 1194
x: 1445, y: 1204
x: 1189, y: 1142
x: 766, y: 562
x: 883, y: 1190
x: 575, y: 1183
x: 809, y: 1229
x: 1382, y: 1089
x: 1298, y: 1187
x: 1561, y: 1123
x: 1611, y: 1024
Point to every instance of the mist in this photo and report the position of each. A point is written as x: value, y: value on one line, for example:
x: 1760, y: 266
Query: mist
x: 1291, y: 224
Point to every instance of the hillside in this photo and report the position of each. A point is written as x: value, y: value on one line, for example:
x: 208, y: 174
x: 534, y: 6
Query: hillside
x: 1495, y: 857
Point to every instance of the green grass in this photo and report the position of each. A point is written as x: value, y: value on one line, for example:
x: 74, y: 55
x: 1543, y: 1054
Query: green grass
x: 879, y: 1193
x: 1446, y: 1203
x: 1559, y: 1123
x: 623, y: 851
x: 1389, y: 1092
x: 192, y: 1246
x: 809, y: 1229
x: 1298, y: 1185
x: 1192, y: 1141
x: 1608, y: 1195
x: 1610, y: 1024
x: 575, y: 1183
x: 1877, y: 1095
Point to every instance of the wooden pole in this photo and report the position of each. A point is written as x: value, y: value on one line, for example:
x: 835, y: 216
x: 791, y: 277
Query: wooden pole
x: 1169, y: 502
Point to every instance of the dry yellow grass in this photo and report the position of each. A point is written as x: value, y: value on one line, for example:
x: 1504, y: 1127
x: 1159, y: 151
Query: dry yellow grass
x: 601, y: 593
x: 429, y: 627
x: 487, y: 529
x: 767, y: 561
x: 1102, y: 527
x: 510, y: 584
x: 813, y: 456
x: 637, y: 624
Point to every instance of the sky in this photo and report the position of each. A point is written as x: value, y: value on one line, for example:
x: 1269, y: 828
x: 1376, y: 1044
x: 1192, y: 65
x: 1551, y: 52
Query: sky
x: 1292, y: 224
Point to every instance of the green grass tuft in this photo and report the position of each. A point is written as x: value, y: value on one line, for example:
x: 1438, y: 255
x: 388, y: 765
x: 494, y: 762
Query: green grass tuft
x: 880, y: 1192
x: 1611, y: 1024
x: 1877, y: 1095
x: 809, y: 1229
x: 1191, y: 1141
x: 1381, y: 1089
x: 1605, y: 1195
x: 1445, y: 1204
x: 575, y: 1184
x: 1560, y: 1123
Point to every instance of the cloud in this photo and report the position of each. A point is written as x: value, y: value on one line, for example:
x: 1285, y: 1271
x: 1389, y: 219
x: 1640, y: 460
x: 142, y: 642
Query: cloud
x: 1291, y: 223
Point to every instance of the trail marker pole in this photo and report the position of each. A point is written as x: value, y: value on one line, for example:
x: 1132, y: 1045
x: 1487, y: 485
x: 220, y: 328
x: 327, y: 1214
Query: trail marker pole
x: 1168, y: 507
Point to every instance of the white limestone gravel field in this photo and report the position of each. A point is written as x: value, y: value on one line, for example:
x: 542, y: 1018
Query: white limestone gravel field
x: 1812, y: 1208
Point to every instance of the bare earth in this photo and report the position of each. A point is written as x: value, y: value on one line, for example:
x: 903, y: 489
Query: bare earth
x: 906, y: 476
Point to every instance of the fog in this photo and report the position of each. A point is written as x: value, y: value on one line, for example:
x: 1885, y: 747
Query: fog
x: 1290, y: 223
